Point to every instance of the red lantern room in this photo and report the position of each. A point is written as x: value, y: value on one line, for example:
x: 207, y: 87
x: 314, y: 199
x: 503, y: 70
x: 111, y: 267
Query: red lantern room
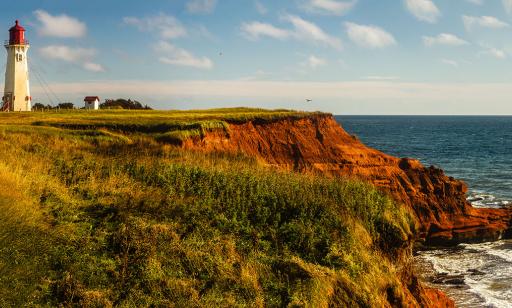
x: 17, y: 35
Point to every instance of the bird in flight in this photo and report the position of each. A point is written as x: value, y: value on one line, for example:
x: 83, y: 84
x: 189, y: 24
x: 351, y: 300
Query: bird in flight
x: 308, y: 100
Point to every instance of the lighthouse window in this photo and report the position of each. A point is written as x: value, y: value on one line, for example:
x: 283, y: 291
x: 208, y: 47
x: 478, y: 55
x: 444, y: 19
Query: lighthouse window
x: 19, y: 57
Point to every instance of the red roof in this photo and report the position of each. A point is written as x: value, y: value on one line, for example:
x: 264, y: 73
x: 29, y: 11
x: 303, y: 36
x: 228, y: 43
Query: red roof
x: 91, y: 98
x: 17, y: 27
x: 17, y: 35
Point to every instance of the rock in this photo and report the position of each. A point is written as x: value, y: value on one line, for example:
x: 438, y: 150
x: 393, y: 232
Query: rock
x: 447, y: 279
x: 455, y: 281
x: 437, y: 298
x: 475, y: 272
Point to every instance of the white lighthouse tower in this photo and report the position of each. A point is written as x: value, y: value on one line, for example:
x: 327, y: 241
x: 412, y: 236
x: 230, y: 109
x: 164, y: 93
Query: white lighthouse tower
x: 17, y: 91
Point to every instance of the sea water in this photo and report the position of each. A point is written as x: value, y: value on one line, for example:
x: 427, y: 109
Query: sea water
x: 477, y: 150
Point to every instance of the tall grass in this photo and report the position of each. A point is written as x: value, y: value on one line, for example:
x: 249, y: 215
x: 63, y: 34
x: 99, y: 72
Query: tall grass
x: 102, y: 218
x: 140, y: 117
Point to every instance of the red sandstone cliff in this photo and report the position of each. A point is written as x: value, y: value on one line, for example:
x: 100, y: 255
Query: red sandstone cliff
x: 319, y: 144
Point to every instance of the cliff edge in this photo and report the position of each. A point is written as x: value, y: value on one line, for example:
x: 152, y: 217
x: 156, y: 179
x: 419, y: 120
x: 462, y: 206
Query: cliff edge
x: 319, y: 144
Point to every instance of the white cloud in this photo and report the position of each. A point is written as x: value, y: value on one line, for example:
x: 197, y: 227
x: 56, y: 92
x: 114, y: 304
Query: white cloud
x: 75, y: 55
x: 59, y: 25
x: 170, y: 28
x: 93, y: 67
x: 369, y: 36
x: 167, y: 26
x: 307, y: 31
x: 66, y: 53
x: 507, y: 4
x: 483, y: 21
x: 256, y: 30
x: 201, y: 6
x: 260, y: 7
x: 64, y: 26
x: 303, y: 30
x: 443, y: 39
x: 450, y: 62
x: 329, y: 7
x: 180, y: 57
x: 424, y: 10
x: 315, y: 62
x: 495, y: 52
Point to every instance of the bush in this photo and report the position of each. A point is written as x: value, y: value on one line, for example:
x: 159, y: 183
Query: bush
x: 66, y: 106
x: 121, y: 103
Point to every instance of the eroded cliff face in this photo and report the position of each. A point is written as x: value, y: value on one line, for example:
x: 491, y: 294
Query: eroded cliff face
x: 319, y: 144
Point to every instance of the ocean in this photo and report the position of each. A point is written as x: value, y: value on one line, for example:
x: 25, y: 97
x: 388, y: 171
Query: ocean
x: 478, y: 150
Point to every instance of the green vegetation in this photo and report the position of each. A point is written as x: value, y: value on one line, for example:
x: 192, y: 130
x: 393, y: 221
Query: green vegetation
x: 41, y: 107
x: 119, y: 103
x: 122, y: 103
x: 97, y: 211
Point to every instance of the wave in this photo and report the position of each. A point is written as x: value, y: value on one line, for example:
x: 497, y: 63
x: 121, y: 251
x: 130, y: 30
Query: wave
x: 499, y: 249
x: 482, y: 200
x: 474, y: 275
x: 490, y: 297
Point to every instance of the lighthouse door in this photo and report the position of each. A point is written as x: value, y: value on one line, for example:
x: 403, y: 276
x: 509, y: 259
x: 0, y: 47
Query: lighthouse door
x: 7, y: 102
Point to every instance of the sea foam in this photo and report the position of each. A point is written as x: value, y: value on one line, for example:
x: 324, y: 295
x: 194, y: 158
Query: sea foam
x: 486, y: 270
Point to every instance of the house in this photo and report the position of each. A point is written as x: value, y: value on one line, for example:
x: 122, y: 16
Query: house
x: 92, y: 102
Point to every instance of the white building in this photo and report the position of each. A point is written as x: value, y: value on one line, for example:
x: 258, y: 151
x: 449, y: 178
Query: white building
x: 17, y: 90
x: 92, y: 102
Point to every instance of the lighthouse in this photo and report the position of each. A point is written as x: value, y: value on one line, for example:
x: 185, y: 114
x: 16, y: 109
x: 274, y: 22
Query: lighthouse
x: 17, y: 91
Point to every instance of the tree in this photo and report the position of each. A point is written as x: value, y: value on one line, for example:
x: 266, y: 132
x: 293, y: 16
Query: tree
x: 38, y: 106
x: 123, y: 104
x: 66, y: 106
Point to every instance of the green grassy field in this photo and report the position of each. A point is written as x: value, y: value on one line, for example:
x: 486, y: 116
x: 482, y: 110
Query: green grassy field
x: 96, y: 213
x: 168, y: 126
x: 148, y: 117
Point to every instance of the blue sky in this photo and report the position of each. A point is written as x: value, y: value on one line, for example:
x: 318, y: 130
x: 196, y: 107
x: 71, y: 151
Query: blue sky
x: 348, y: 56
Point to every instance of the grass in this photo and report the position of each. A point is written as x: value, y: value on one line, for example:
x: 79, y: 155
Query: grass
x: 167, y: 126
x: 106, y: 217
x: 141, y: 117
